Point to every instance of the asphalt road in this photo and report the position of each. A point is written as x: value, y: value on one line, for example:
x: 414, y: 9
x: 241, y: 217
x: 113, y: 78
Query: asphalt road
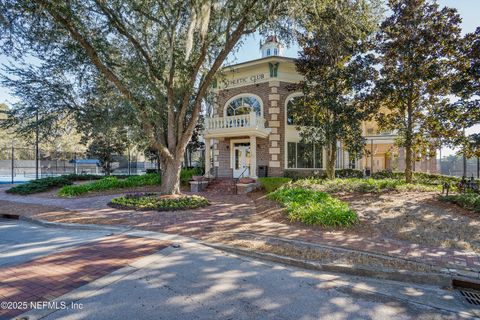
x: 197, y: 282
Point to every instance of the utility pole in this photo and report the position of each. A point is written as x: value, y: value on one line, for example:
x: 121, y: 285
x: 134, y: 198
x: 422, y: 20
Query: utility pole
x: 13, y: 163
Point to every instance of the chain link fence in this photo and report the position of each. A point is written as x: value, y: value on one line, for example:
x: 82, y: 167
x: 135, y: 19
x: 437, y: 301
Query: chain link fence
x: 19, y: 164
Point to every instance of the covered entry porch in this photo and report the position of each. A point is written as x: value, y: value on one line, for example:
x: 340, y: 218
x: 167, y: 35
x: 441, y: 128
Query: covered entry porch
x: 232, y: 145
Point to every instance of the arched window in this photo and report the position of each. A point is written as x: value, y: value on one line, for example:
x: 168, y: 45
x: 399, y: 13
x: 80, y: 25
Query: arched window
x: 268, y: 52
x: 244, y: 105
x: 275, y: 51
x: 290, y: 117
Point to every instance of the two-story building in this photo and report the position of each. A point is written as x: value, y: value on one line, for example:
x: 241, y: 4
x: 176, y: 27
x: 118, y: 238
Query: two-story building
x: 249, y: 132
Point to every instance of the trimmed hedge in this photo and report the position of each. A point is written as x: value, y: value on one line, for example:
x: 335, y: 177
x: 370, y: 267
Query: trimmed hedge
x: 46, y: 184
x: 348, y: 173
x: 314, y: 207
x: 361, y: 185
x: 109, y: 183
x: 419, y: 177
x: 150, y: 201
x: 271, y: 184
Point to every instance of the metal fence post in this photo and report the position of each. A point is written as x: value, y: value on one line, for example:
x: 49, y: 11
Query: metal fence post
x: 75, y: 162
x: 13, y: 163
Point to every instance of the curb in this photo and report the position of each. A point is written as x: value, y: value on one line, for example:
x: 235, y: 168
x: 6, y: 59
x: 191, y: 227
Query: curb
x: 453, y: 272
x: 77, y: 226
x: 438, y: 279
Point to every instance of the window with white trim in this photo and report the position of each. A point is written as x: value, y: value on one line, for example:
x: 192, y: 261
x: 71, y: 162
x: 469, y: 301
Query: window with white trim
x: 304, y: 156
x: 244, y: 105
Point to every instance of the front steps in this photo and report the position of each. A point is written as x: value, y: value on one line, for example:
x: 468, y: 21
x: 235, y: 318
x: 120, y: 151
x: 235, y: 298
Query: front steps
x: 221, y: 186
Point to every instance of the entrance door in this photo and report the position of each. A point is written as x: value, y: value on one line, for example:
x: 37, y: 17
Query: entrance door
x: 241, y: 158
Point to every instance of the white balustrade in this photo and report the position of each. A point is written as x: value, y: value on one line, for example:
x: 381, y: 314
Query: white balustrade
x: 246, y: 121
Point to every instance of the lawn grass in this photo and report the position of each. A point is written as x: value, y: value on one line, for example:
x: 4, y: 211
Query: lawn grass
x: 468, y: 200
x: 314, y: 207
x: 109, y: 183
x: 46, y: 184
x: 155, y: 202
x: 271, y: 184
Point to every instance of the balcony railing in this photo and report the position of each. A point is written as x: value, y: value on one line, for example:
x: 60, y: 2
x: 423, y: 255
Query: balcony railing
x: 250, y: 120
x: 235, y: 125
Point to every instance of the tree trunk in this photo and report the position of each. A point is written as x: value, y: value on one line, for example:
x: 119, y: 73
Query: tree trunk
x: 331, y: 159
x: 171, y: 176
x: 408, y: 162
x: 408, y: 143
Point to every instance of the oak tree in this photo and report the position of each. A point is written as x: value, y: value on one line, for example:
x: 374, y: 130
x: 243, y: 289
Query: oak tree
x: 161, y: 56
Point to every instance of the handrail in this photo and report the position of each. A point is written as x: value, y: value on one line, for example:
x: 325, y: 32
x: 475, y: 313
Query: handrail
x: 235, y: 180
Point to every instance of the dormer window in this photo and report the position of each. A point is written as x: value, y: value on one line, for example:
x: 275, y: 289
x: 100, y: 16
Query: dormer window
x: 275, y: 51
x: 268, y: 52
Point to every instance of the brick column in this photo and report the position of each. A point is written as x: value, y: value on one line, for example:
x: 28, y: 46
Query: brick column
x: 274, y: 124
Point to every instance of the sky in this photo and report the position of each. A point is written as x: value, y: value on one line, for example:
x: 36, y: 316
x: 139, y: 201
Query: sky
x: 468, y: 10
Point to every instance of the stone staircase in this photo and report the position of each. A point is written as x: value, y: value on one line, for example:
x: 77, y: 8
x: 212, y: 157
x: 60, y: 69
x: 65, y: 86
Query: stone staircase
x: 221, y: 186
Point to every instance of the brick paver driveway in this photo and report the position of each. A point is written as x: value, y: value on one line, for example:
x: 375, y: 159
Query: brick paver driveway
x: 49, y: 276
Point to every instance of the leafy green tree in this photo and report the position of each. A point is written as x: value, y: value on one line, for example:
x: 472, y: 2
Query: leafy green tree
x: 418, y: 49
x: 105, y: 146
x: 473, y: 147
x: 161, y: 56
x: 338, y: 75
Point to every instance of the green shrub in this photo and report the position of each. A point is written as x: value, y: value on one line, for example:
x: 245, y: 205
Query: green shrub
x: 46, y: 184
x: 271, y: 184
x: 362, y: 185
x: 314, y: 207
x: 187, y: 174
x: 469, y: 200
x: 295, y: 174
x: 154, y: 202
x: 348, y: 173
x: 109, y: 183
x: 418, y: 177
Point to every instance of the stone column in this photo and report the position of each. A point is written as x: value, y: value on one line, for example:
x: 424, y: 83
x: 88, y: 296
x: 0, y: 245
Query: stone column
x: 274, y: 125
x: 207, y: 158
x: 253, y: 157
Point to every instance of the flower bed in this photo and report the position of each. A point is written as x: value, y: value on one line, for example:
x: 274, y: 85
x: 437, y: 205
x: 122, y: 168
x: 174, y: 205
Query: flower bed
x: 153, y: 201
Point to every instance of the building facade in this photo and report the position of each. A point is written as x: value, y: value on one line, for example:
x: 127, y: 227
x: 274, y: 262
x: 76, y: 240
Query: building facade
x: 249, y: 133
